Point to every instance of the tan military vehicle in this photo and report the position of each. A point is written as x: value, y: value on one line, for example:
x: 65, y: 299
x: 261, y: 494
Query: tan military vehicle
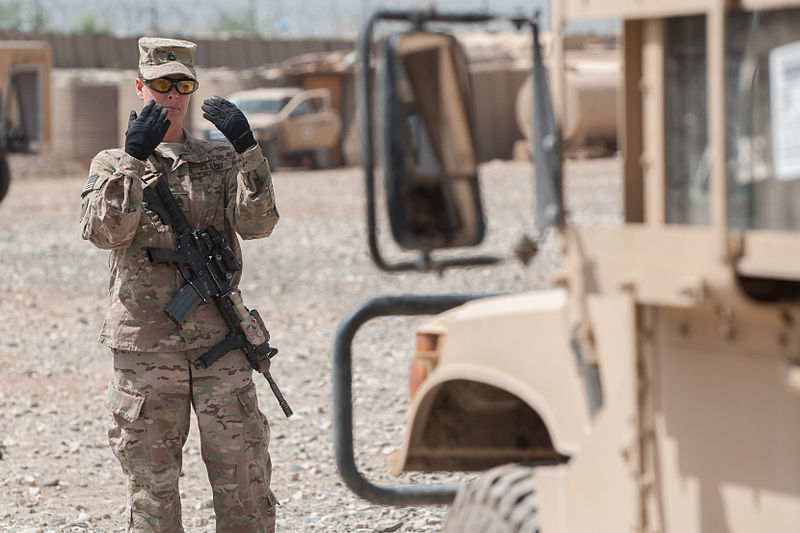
x: 289, y: 123
x: 655, y: 388
x: 24, y: 101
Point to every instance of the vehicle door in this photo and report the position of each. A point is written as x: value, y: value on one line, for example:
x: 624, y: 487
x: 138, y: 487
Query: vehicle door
x: 311, y: 122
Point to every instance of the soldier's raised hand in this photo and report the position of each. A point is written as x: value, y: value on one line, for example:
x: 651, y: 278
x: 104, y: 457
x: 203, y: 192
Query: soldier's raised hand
x: 146, y: 131
x: 229, y: 120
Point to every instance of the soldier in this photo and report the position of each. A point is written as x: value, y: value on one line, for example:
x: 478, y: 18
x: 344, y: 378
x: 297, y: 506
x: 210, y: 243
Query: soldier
x: 153, y: 384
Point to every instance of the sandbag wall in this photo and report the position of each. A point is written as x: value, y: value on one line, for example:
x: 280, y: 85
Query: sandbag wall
x: 91, y: 108
x: 84, y: 118
x: 127, y: 101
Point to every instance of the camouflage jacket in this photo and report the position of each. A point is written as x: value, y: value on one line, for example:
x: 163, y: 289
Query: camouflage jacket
x: 214, y: 186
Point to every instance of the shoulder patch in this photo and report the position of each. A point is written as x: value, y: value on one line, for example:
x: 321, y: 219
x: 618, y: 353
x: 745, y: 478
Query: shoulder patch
x: 89, y: 184
x: 92, y: 184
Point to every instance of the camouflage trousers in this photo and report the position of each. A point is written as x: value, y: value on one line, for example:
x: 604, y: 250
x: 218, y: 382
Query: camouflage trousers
x: 150, y: 397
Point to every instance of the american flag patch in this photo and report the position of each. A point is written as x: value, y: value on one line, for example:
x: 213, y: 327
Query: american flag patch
x: 89, y: 184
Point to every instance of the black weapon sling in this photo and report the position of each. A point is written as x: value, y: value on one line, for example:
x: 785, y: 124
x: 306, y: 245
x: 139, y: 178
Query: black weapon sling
x: 207, y: 263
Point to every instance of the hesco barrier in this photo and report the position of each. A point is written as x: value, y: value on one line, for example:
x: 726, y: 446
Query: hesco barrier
x: 494, y: 88
x: 127, y: 101
x: 76, y: 101
x: 91, y: 107
x: 84, y: 118
x: 497, y: 74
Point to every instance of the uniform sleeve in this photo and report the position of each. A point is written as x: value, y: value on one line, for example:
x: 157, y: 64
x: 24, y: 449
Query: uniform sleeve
x: 112, y: 200
x: 254, y: 211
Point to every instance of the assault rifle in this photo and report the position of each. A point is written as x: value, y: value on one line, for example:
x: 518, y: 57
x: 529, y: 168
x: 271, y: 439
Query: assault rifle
x: 207, y: 264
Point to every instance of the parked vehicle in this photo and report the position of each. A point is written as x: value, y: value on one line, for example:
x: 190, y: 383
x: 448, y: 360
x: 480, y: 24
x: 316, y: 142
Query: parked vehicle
x: 24, y: 101
x: 655, y: 386
x: 289, y: 123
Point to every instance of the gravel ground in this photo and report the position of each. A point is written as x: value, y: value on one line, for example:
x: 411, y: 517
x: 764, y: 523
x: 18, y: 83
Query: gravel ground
x: 56, y: 470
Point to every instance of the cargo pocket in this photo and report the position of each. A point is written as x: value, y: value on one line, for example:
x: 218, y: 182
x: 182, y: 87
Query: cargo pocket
x: 124, y: 402
x: 126, y: 433
x: 255, y: 429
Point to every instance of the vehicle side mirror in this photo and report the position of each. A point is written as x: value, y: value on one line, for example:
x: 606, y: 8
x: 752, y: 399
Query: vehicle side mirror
x: 428, y: 151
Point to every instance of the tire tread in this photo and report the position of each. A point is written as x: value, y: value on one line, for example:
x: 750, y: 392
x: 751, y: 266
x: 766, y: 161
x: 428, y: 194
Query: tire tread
x: 501, y: 500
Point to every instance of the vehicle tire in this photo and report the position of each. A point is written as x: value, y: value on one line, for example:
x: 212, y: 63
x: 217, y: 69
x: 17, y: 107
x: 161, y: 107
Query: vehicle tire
x: 272, y: 153
x: 5, y: 177
x: 501, y: 500
x: 321, y: 158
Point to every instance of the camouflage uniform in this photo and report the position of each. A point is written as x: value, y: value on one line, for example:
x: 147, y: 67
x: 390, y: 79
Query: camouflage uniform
x: 154, y: 384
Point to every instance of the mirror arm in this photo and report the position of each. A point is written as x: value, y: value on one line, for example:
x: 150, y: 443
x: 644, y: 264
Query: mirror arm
x: 342, y: 379
x: 546, y: 147
x: 367, y: 144
x: 418, y: 18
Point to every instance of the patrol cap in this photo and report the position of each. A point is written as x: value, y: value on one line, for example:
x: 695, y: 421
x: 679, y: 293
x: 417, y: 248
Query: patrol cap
x: 159, y: 56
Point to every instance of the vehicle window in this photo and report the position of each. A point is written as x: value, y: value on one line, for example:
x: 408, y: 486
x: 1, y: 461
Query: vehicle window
x: 300, y: 110
x: 315, y: 105
x: 762, y: 88
x: 686, y: 119
x: 258, y: 106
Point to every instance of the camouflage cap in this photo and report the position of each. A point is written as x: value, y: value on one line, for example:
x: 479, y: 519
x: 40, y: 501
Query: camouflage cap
x: 160, y: 56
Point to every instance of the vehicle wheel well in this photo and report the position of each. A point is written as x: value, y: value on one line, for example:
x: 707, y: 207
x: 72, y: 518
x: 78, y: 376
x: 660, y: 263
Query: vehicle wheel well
x: 485, y: 426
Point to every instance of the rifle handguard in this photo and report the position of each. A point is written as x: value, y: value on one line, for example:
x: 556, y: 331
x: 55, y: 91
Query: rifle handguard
x: 208, y: 358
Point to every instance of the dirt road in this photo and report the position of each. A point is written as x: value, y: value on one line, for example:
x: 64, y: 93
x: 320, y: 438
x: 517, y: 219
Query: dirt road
x: 57, y: 472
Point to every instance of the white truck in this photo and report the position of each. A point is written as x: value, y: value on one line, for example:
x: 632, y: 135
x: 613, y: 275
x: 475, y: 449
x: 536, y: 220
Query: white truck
x: 290, y: 123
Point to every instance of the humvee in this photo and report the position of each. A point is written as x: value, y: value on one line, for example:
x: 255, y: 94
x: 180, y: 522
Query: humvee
x: 655, y: 386
x: 289, y: 123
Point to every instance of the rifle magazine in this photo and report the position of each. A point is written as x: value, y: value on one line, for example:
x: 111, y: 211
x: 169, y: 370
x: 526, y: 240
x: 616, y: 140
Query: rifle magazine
x: 183, y: 303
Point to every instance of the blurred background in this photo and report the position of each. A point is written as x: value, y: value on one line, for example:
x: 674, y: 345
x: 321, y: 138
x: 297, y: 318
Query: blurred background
x: 288, y: 18
x: 67, y: 68
x: 67, y: 71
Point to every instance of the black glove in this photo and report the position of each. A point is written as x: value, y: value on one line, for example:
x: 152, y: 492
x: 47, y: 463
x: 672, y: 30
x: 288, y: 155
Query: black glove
x: 230, y: 121
x: 146, y: 131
